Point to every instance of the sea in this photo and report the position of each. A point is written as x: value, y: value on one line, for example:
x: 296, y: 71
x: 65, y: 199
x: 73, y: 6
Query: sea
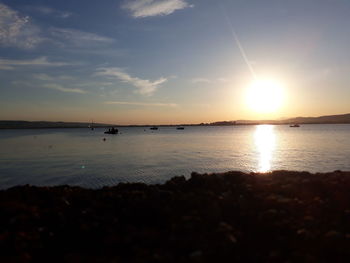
x: 92, y: 159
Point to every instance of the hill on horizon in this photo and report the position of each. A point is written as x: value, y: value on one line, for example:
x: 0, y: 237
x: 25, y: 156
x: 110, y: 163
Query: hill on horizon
x: 327, y: 119
x: 342, y: 118
x: 48, y: 124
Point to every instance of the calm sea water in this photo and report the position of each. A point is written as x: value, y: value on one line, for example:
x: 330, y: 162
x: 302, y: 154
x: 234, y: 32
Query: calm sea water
x: 81, y: 157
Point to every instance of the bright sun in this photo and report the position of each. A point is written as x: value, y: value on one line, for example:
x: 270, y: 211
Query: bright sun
x: 265, y: 96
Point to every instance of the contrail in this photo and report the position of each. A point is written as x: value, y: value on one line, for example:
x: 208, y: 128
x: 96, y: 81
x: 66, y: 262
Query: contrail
x: 241, y: 49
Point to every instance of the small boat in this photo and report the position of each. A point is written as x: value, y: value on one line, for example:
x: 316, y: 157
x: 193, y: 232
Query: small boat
x: 112, y: 131
x: 180, y: 128
x: 154, y: 128
x: 91, y: 126
x: 294, y: 126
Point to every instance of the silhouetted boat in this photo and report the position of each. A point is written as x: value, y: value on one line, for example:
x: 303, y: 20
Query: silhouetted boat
x: 91, y: 126
x: 180, y: 128
x: 154, y: 128
x: 112, y: 131
x: 294, y: 126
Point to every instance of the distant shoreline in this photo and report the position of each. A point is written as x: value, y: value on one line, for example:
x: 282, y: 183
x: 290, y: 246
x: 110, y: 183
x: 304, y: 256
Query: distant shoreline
x: 170, y: 126
x: 330, y: 119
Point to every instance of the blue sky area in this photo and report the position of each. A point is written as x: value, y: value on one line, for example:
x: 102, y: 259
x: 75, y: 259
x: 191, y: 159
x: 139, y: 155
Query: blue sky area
x: 170, y: 61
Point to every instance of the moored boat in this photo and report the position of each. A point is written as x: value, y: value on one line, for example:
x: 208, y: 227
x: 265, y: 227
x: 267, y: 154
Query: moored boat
x: 112, y: 131
x: 91, y: 126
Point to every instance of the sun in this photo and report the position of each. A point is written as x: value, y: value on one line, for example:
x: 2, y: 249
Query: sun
x: 265, y: 96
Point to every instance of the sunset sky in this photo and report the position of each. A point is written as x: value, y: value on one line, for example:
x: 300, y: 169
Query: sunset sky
x: 171, y: 61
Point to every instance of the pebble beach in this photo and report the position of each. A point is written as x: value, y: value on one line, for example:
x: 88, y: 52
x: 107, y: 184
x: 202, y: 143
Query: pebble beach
x: 282, y: 216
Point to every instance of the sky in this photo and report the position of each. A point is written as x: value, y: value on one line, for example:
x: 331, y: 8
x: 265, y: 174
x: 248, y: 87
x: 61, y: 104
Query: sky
x: 170, y: 61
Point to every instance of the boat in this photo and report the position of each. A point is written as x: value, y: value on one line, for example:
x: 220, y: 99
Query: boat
x: 180, y: 128
x: 294, y: 126
x: 154, y: 128
x: 112, y: 131
x: 91, y: 126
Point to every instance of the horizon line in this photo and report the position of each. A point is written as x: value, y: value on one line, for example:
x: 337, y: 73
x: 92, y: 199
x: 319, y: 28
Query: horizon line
x: 239, y: 121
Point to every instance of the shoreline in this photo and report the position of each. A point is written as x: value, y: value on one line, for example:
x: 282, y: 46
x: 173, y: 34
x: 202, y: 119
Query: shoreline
x: 274, y: 217
x: 167, y: 126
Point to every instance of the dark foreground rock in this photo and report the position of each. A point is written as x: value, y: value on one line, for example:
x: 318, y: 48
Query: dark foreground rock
x: 232, y: 217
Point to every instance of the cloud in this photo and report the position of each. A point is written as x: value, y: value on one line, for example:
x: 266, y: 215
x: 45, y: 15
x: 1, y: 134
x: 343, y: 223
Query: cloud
x: 51, y: 83
x: 146, y: 8
x: 200, y: 80
x: 102, y: 84
x: 76, y: 85
x: 63, y: 89
x: 45, y: 77
x: 79, y: 38
x: 50, y: 11
x: 223, y: 80
x: 5, y: 67
x: 141, y: 104
x: 41, y: 61
x: 53, y: 86
x: 205, y: 80
x: 17, y: 30
x: 144, y: 86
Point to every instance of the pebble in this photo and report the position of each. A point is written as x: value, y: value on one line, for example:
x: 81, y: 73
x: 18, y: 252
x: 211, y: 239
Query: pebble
x: 333, y: 234
x: 182, y: 219
x: 196, y: 254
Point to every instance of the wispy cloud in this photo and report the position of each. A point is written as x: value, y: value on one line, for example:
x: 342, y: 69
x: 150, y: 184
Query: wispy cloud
x: 146, y: 8
x: 6, y: 67
x: 46, y: 77
x: 17, y: 30
x: 79, y: 38
x: 144, y: 86
x: 41, y: 61
x: 141, y: 104
x: 223, y: 80
x: 200, y: 80
x: 75, y: 84
x: 43, y: 77
x: 63, y: 89
x: 53, y: 86
x: 205, y: 80
x: 50, y: 11
x: 101, y: 84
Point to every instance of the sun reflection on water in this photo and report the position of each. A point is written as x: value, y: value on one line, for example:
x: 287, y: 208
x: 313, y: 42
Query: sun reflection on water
x: 264, y: 138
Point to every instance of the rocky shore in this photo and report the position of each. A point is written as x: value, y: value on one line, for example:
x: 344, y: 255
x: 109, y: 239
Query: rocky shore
x: 231, y: 217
